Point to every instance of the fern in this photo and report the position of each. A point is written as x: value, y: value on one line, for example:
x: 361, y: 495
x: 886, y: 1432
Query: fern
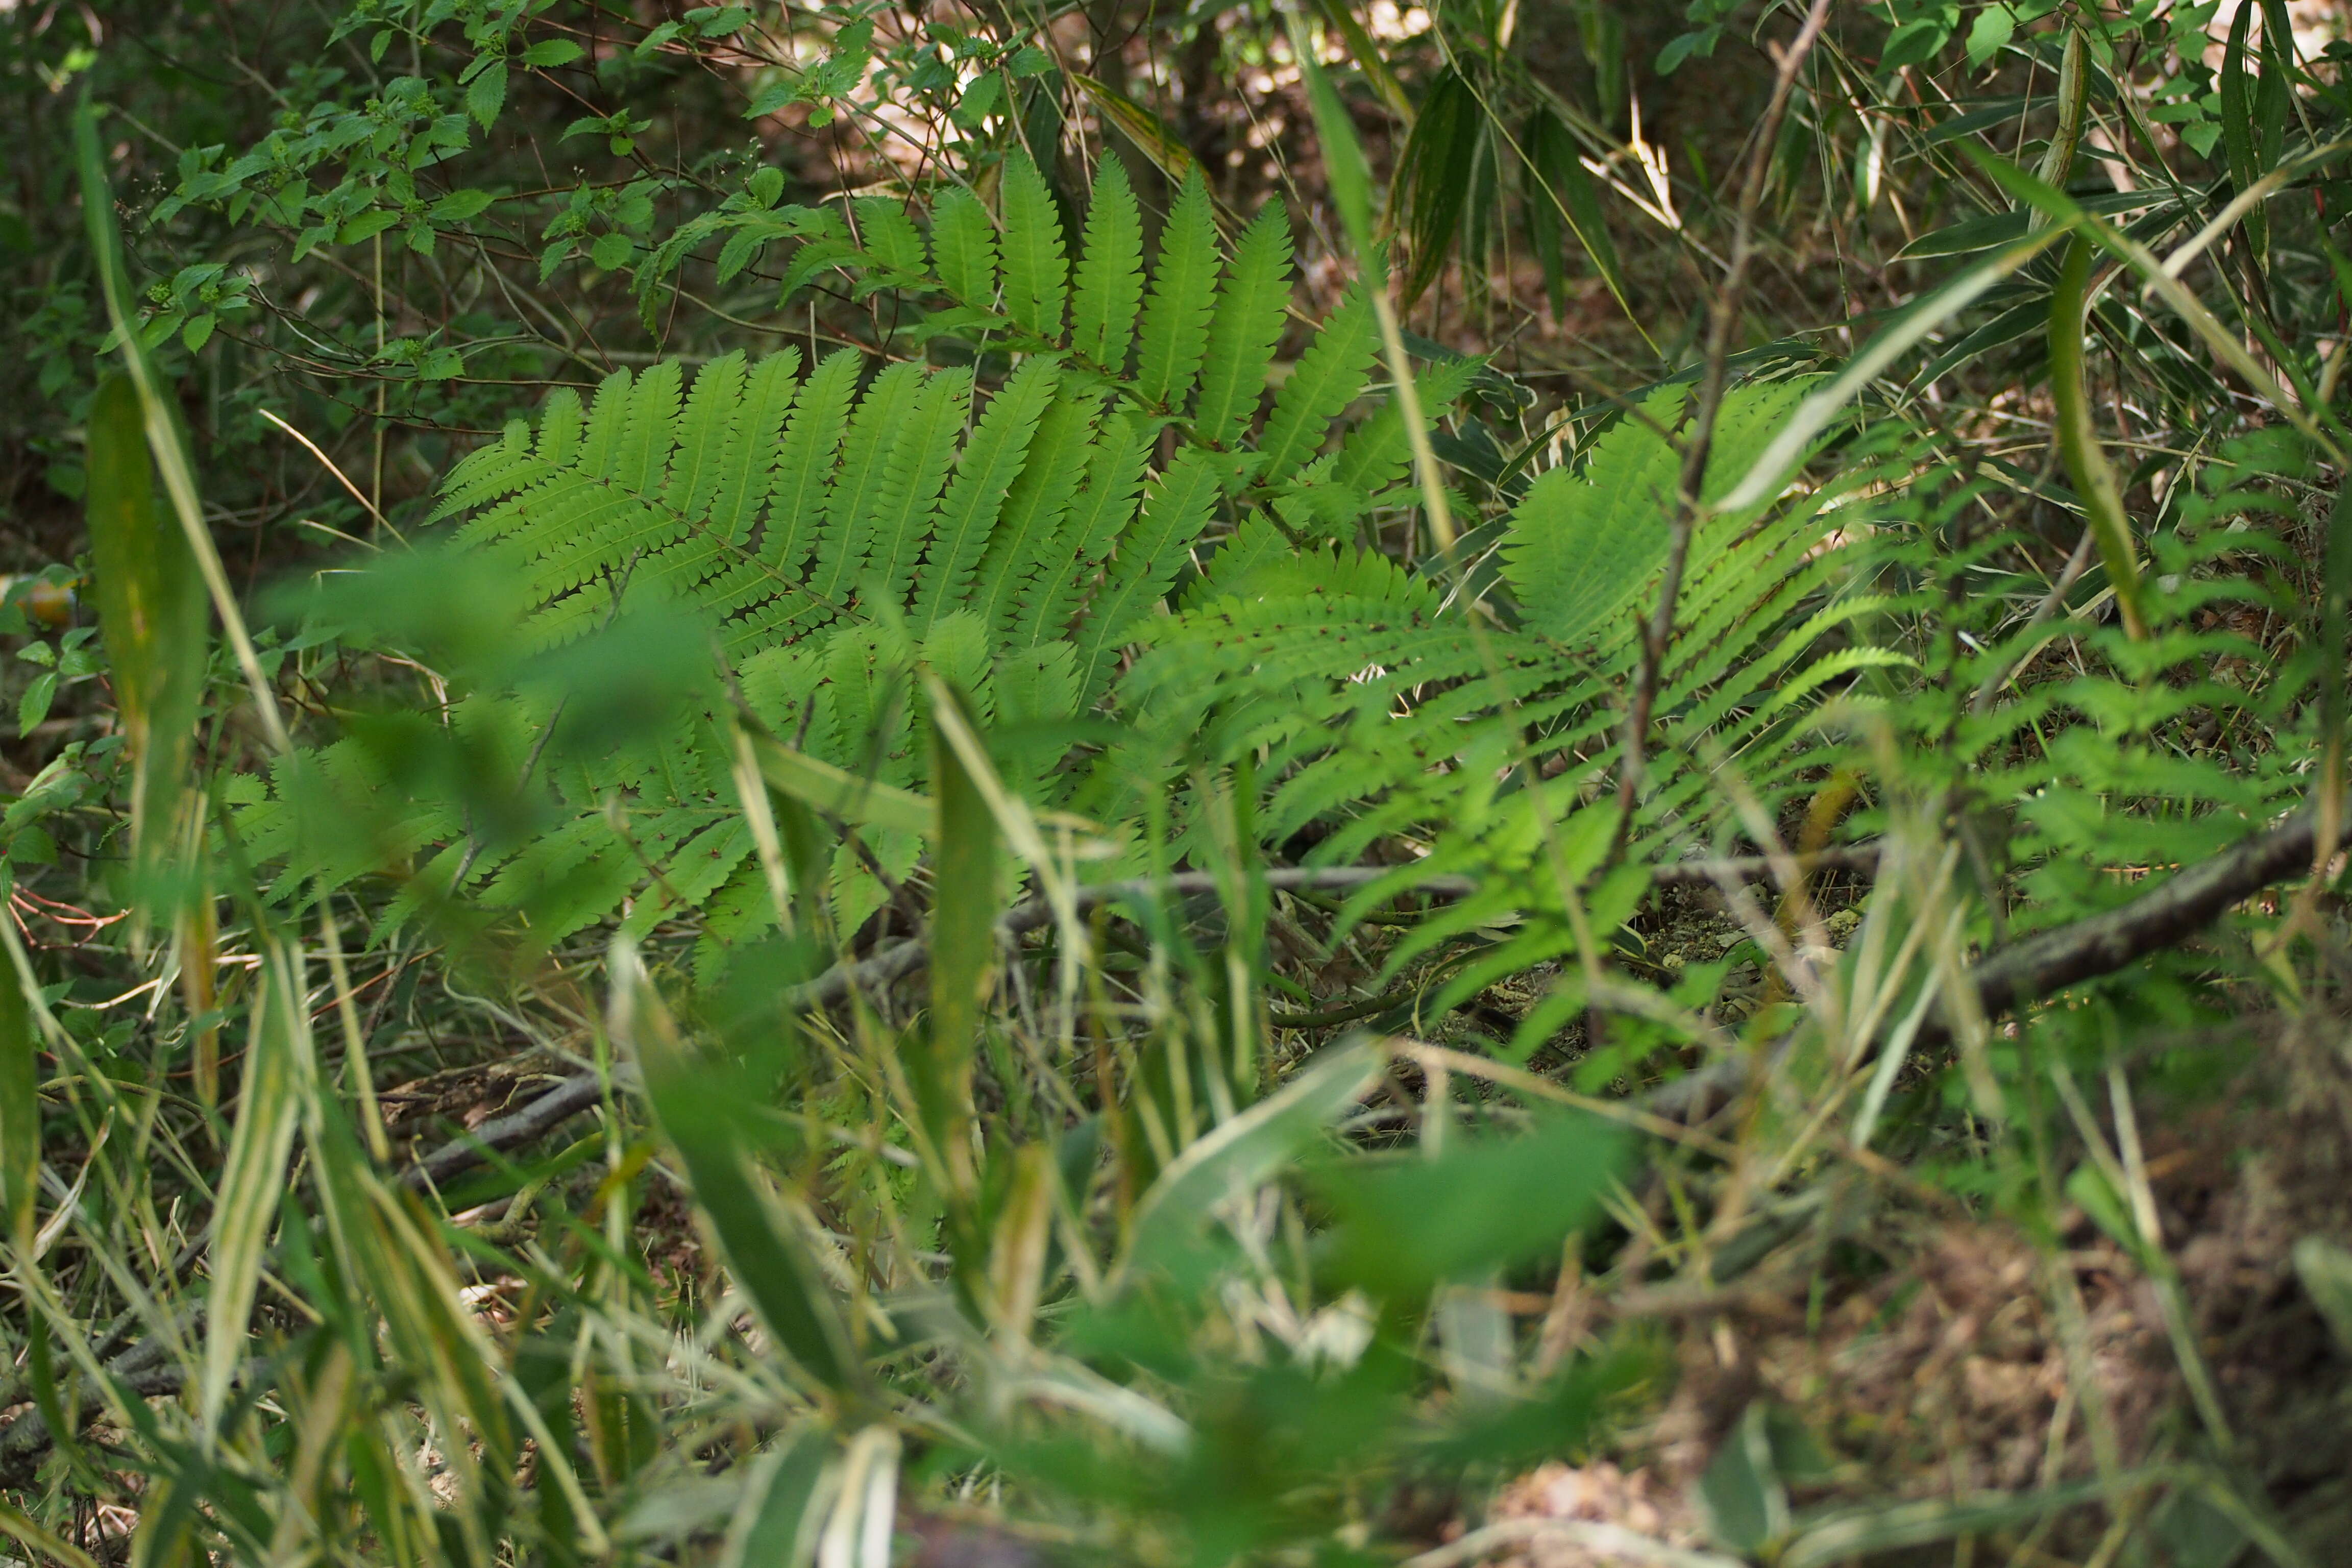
x: 1376, y: 709
x: 837, y: 537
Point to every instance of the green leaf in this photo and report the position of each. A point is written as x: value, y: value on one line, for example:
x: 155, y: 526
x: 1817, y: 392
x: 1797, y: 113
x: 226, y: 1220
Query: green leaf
x: 486, y: 95
x: 551, y: 52
x: 1406, y: 1224
x: 1747, y: 1507
x: 1914, y: 41
x: 1849, y: 1535
x: 1990, y: 33
x: 459, y: 205
x: 1036, y: 275
x: 151, y: 613
x: 1434, y: 176
x: 34, y: 706
x: 1251, y: 310
x: 1110, y: 273
x: 612, y: 251
x: 1344, y: 164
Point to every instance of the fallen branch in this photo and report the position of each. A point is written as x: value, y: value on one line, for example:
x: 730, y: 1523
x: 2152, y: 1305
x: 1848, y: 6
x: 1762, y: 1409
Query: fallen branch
x: 2023, y: 972
x: 581, y: 1092
x: 2182, y: 905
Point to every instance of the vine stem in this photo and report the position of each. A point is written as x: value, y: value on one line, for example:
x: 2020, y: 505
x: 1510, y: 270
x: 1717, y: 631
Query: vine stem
x: 1723, y: 322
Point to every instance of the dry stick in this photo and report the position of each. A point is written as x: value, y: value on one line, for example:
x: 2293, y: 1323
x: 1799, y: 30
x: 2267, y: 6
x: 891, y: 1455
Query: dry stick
x: 2005, y: 979
x: 2010, y: 977
x: 581, y: 1092
x: 1723, y: 320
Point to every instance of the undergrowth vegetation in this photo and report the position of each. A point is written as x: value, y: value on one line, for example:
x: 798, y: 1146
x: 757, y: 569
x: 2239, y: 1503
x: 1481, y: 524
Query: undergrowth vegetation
x: 1521, y: 783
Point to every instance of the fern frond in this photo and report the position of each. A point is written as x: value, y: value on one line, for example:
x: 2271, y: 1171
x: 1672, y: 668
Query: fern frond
x: 887, y: 235
x: 1110, y: 272
x: 1037, y: 271
x: 1378, y: 453
x: 608, y: 416
x: 487, y: 473
x: 1241, y: 333
x: 706, y: 426
x: 805, y: 465
x: 1183, y: 291
x: 744, y: 472
x: 1582, y: 544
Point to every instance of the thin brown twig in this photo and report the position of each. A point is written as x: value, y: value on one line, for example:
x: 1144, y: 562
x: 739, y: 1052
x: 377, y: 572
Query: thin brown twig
x: 1723, y: 322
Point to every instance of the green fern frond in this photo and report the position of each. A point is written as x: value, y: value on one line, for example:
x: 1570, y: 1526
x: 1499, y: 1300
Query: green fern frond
x: 804, y: 464
x: 875, y: 441
x: 1079, y: 548
x: 1582, y: 544
x: 1177, y: 509
x: 1034, y: 511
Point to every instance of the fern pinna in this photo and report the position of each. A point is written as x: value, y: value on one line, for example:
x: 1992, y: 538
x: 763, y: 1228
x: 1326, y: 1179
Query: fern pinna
x: 835, y: 529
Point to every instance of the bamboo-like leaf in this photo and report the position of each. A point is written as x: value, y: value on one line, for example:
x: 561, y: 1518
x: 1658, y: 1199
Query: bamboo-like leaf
x: 253, y: 1175
x: 151, y: 610
x: 20, y: 1110
x: 1244, y: 1152
x: 1434, y: 176
x: 768, y: 1258
x: 2078, y: 439
x: 968, y: 873
x: 1907, y: 329
x: 836, y: 792
x: 1158, y: 140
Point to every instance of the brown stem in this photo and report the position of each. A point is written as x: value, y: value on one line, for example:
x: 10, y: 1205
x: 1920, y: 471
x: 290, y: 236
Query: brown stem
x: 1722, y: 322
